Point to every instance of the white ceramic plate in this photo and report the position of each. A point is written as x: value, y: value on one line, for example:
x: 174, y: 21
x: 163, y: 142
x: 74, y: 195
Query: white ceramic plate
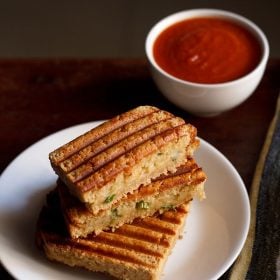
x: 214, y: 234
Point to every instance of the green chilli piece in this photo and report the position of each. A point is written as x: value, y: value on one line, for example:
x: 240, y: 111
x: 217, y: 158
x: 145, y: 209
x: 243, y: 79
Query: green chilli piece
x: 142, y: 205
x: 109, y: 198
x: 115, y: 213
x: 169, y: 207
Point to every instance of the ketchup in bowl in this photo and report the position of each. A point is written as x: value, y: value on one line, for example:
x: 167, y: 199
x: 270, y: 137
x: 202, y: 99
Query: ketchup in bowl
x: 207, y: 50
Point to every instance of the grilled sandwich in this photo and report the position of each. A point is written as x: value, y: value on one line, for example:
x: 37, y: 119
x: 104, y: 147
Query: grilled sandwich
x: 137, y: 251
x: 123, y: 153
x: 164, y: 193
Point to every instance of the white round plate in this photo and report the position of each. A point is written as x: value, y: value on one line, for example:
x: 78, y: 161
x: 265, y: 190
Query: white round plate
x: 214, y: 234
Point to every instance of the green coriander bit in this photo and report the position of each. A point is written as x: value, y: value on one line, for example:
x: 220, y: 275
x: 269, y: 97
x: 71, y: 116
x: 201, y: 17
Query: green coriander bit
x: 142, y: 205
x: 109, y: 198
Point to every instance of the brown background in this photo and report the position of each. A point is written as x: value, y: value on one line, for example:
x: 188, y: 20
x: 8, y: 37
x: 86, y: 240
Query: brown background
x: 107, y: 28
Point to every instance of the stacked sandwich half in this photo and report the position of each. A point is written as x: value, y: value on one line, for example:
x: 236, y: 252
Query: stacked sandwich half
x: 123, y: 193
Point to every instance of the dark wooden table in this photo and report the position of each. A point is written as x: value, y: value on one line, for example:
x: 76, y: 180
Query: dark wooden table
x: 39, y: 97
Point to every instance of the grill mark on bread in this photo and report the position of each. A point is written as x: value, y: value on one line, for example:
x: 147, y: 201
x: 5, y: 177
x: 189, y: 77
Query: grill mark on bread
x: 172, y: 219
x: 154, y: 224
x: 189, y: 173
x: 80, y: 142
x: 107, y: 250
x: 134, y: 231
x: 99, y: 169
x: 112, y: 138
x: 122, y: 147
x: 189, y: 166
x: 164, y: 223
x: 116, y: 240
x: 126, y: 161
x: 179, y: 187
x: 175, y: 216
x: 125, y: 256
x: 194, y: 177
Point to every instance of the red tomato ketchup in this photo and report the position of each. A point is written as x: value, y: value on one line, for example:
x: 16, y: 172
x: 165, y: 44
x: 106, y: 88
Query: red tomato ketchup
x: 207, y: 50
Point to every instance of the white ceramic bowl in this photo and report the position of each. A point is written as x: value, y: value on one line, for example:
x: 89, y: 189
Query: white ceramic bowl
x: 206, y: 99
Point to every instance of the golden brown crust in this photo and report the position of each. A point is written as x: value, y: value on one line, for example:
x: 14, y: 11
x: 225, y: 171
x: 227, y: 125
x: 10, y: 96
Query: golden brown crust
x: 184, y: 176
x: 162, y: 193
x: 78, y: 143
x: 96, y: 147
x: 93, y: 164
x: 126, y: 161
x: 101, y: 162
x: 136, y: 251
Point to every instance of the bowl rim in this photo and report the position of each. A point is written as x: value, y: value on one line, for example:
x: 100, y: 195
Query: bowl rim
x: 161, y: 25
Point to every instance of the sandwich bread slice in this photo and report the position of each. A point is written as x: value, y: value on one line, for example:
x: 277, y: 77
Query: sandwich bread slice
x: 137, y: 251
x: 123, y: 153
x: 163, y: 193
